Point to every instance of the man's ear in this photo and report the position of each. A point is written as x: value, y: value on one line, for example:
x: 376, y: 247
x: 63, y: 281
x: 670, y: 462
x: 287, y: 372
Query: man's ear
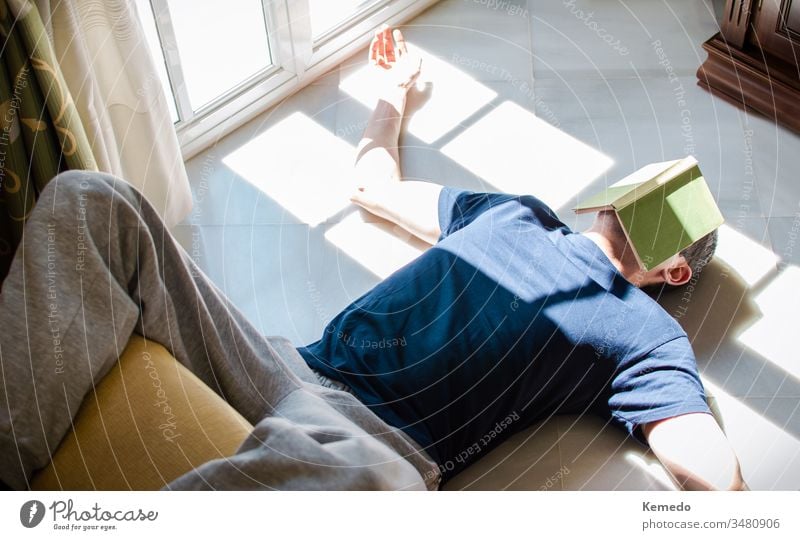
x: 677, y: 274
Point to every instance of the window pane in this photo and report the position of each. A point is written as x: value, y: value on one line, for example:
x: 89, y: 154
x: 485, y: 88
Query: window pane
x: 327, y: 14
x: 220, y: 44
x: 151, y: 35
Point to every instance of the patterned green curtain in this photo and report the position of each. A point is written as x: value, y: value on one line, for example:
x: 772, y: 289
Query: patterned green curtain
x: 40, y: 131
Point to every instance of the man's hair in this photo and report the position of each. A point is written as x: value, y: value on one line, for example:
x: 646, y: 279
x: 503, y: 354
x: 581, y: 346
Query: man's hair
x: 700, y: 253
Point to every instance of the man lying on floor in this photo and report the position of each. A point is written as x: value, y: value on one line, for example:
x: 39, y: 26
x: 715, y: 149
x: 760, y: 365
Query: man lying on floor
x: 507, y: 319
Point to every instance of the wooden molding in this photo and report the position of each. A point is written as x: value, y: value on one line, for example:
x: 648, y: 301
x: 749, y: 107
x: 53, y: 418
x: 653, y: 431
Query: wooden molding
x: 758, y: 82
x: 736, y: 21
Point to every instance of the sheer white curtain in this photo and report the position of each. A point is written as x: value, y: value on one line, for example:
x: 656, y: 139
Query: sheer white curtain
x: 101, y: 48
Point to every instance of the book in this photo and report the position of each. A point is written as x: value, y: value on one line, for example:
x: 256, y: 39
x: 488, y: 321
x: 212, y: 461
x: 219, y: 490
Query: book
x: 663, y: 209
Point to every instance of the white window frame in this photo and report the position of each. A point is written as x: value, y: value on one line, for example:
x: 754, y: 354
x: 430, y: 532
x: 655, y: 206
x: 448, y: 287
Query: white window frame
x: 296, y: 62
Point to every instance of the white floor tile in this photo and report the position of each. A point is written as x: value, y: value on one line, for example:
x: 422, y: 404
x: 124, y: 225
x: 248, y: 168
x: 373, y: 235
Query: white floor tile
x: 777, y: 165
x: 602, y: 457
x: 270, y: 273
x: 486, y: 43
x: 358, y: 253
x: 763, y: 432
x: 608, y: 38
x: 785, y: 235
x: 235, y: 182
x: 638, y: 121
x: 528, y: 460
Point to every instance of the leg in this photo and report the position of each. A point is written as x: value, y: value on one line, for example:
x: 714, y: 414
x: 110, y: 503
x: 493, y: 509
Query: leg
x: 413, y: 205
x: 95, y: 265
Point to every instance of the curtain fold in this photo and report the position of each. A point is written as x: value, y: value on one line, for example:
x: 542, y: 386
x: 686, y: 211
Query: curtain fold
x: 107, y: 65
x: 40, y: 131
x: 79, y: 90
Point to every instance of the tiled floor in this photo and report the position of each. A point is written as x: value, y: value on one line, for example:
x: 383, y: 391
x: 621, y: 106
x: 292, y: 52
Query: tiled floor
x: 531, y: 97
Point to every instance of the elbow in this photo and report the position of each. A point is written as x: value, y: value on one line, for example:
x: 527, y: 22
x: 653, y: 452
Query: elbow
x: 730, y: 480
x: 738, y: 483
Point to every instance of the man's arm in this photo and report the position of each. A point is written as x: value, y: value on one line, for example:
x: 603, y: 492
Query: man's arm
x: 412, y: 205
x: 695, y: 451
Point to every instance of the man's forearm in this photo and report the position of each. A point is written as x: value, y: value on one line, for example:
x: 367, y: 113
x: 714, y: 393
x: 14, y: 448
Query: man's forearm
x: 695, y: 451
x: 377, y: 156
x: 691, y: 481
x: 411, y: 205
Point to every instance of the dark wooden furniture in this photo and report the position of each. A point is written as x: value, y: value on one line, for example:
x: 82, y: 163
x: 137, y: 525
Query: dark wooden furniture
x: 754, y: 60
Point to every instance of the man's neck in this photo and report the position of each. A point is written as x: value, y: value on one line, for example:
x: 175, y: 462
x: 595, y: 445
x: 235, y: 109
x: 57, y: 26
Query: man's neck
x: 607, y: 233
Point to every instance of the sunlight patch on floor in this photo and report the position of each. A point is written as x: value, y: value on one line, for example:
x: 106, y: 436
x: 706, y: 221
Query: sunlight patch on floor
x: 745, y: 256
x: 301, y: 165
x: 652, y: 469
x: 454, y: 96
x: 775, y: 461
x: 379, y: 247
x: 773, y: 336
x: 517, y: 152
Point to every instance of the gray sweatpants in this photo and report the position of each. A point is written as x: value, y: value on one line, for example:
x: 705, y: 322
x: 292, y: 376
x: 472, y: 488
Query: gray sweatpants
x: 97, y: 264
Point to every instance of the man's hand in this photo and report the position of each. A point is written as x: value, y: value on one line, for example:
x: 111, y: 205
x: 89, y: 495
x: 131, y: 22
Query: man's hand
x: 389, y: 54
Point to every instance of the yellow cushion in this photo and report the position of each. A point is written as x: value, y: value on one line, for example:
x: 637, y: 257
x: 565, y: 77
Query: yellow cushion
x: 148, y: 422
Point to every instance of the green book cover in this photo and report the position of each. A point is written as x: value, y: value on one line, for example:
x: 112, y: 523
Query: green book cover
x: 663, y: 209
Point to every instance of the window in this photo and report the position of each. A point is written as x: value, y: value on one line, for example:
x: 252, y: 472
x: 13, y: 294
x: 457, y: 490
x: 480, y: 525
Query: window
x: 221, y: 63
x: 326, y: 15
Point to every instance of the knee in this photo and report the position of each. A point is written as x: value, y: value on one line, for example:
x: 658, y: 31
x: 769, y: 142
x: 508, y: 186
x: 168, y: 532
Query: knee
x: 79, y: 185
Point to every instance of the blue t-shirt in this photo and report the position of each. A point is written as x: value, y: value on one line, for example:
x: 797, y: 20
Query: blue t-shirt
x: 510, y: 318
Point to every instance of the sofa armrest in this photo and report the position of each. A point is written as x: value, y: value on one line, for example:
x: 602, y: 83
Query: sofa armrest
x: 149, y: 421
